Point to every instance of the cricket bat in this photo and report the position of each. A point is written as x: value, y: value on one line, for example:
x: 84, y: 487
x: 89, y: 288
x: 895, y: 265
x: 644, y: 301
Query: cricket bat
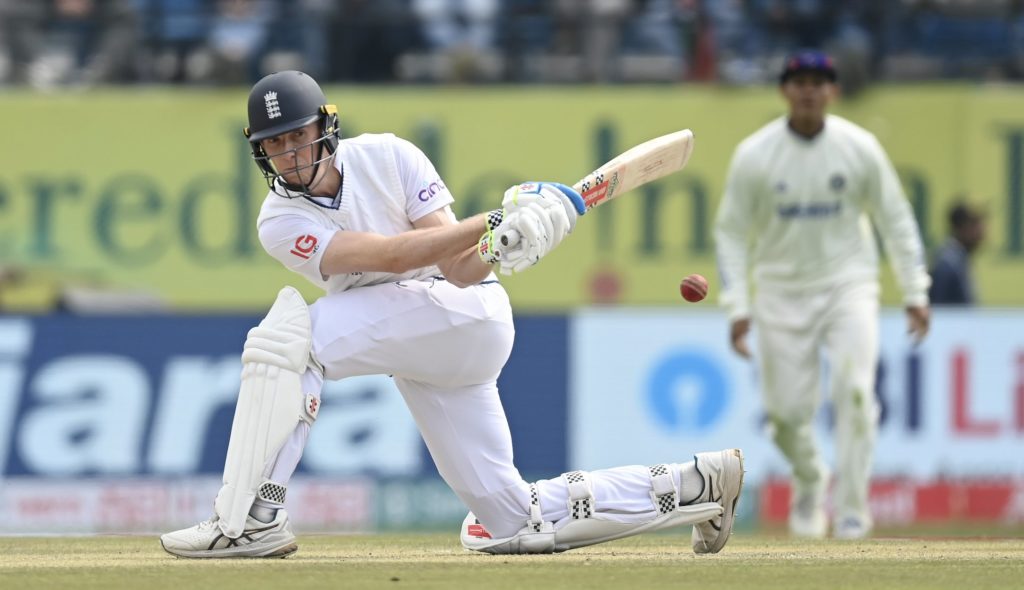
x: 634, y: 167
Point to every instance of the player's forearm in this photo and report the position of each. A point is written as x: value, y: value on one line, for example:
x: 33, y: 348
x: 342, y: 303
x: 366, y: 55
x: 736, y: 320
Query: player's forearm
x: 465, y: 268
x: 731, y: 253
x: 734, y: 297
x: 368, y: 252
x: 430, y: 246
x: 902, y: 242
x: 894, y: 218
x: 734, y: 294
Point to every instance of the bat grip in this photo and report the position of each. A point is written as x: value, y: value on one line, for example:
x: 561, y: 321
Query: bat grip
x: 510, y: 238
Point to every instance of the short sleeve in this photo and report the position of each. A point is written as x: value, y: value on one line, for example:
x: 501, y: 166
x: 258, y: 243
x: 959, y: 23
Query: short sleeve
x: 425, y: 191
x: 298, y: 243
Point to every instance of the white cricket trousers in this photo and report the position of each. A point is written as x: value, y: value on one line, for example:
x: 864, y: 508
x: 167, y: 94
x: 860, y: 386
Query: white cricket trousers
x: 793, y: 330
x: 445, y: 347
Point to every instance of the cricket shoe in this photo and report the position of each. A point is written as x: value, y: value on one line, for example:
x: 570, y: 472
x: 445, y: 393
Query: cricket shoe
x: 807, y: 515
x: 807, y: 518
x: 851, y: 528
x: 723, y: 481
x: 808, y: 522
x: 259, y: 539
x: 474, y: 536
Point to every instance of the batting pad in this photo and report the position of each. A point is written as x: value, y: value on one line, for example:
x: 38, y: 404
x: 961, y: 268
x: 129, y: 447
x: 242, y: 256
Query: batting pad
x: 579, y: 532
x: 586, y: 525
x: 270, y: 405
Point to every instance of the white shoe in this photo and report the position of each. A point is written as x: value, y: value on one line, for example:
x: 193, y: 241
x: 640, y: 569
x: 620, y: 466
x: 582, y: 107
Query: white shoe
x: 723, y: 480
x: 852, y: 528
x: 474, y: 536
x: 259, y: 539
x: 807, y: 516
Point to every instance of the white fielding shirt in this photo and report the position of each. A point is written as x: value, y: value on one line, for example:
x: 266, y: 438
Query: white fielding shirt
x: 387, y: 184
x: 797, y: 211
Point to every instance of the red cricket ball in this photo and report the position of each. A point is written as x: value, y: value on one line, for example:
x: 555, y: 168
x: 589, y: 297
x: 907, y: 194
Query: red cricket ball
x: 694, y: 288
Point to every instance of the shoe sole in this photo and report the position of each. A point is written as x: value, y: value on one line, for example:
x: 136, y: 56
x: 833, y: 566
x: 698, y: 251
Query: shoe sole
x: 729, y: 512
x: 235, y: 552
x: 816, y: 530
x: 848, y: 535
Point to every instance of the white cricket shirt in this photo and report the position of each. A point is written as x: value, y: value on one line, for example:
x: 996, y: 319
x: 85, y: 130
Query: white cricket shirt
x: 388, y: 183
x: 796, y: 212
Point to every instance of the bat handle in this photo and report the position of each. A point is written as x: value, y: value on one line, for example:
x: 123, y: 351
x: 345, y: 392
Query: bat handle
x: 510, y: 238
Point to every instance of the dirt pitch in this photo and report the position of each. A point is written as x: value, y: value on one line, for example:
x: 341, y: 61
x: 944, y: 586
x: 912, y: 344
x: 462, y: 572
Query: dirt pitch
x: 749, y: 561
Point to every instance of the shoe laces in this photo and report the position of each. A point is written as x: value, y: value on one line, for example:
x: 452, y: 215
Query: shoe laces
x: 209, y: 524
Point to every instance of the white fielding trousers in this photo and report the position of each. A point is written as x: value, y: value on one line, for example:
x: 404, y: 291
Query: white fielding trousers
x: 445, y: 347
x: 794, y: 329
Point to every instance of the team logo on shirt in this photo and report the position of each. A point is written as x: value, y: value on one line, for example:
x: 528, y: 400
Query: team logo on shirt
x: 432, y: 189
x: 837, y: 182
x: 780, y: 186
x: 305, y: 246
x: 809, y: 210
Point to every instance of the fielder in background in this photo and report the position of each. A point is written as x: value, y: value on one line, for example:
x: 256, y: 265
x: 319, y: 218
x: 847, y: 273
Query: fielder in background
x: 795, y: 217
x: 952, y: 280
x: 410, y: 293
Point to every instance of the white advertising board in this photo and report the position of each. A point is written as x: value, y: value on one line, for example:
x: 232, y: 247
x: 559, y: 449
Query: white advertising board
x: 657, y: 385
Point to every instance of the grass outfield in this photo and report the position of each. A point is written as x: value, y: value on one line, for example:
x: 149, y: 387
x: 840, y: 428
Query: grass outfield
x: 749, y: 561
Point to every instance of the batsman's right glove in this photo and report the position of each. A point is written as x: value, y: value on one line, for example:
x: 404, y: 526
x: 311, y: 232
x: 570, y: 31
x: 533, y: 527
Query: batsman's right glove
x: 488, y: 247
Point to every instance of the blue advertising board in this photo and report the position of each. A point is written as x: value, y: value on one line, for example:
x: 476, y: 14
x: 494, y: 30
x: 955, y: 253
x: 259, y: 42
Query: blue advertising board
x: 154, y: 396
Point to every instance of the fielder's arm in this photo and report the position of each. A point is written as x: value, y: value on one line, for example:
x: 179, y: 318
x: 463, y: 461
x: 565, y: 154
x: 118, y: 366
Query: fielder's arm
x: 894, y: 218
x: 734, y: 224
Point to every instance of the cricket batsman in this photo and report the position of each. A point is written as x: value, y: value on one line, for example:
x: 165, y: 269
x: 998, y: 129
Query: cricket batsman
x: 409, y: 292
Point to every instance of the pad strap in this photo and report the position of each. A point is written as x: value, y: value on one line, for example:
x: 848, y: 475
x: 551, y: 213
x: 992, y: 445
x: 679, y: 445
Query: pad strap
x: 663, y: 491
x: 271, y: 491
x: 536, y: 521
x: 581, y: 495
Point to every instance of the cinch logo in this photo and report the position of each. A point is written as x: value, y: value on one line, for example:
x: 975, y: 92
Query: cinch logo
x: 304, y: 246
x: 273, y: 108
x: 432, y: 189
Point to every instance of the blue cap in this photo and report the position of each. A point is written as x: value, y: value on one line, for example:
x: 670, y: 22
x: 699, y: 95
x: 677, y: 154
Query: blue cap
x: 808, y: 60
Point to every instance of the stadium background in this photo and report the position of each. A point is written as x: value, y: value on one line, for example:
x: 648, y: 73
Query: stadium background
x: 130, y: 272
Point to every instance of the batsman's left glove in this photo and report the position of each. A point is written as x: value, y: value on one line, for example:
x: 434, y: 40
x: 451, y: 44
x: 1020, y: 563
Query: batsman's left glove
x: 546, y: 193
x: 536, y: 218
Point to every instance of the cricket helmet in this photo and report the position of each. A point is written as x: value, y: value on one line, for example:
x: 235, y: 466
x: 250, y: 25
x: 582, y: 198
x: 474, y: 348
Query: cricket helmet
x: 283, y: 102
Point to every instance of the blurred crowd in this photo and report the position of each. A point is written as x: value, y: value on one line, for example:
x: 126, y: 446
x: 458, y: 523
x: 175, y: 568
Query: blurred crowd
x: 52, y: 43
